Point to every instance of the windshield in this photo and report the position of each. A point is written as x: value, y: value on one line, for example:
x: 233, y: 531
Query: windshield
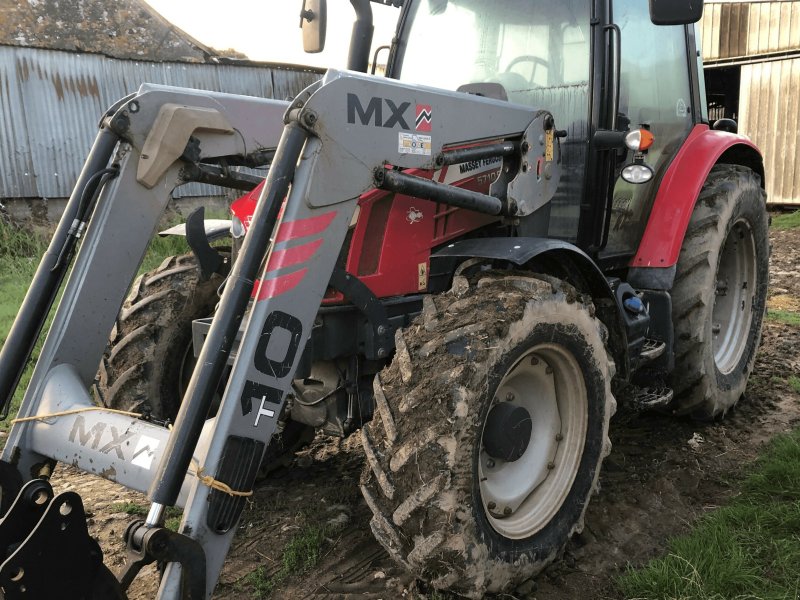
x: 522, y: 44
x: 538, y: 50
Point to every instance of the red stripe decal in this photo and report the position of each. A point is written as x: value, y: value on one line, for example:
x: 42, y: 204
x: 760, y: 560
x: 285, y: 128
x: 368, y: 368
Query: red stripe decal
x: 292, y: 256
x: 304, y: 227
x: 281, y: 284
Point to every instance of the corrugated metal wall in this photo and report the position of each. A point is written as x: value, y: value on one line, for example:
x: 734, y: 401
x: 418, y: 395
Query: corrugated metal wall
x: 732, y: 30
x: 51, y: 102
x: 769, y: 103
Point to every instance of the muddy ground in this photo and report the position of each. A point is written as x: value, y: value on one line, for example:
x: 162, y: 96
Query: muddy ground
x: 661, y: 475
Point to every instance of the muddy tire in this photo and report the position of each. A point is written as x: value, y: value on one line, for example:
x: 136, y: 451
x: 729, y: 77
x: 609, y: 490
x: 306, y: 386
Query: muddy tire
x: 720, y: 291
x: 145, y: 365
x: 150, y: 357
x: 448, y: 453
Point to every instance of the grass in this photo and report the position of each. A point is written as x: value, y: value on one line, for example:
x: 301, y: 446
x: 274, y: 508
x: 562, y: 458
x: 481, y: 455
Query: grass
x: 300, y: 555
x: 786, y: 221
x: 785, y: 317
x: 747, y: 549
x: 794, y: 383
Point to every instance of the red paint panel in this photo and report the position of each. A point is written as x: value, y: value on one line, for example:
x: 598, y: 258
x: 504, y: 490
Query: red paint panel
x: 678, y: 192
x: 292, y: 256
x: 280, y: 285
x: 304, y: 227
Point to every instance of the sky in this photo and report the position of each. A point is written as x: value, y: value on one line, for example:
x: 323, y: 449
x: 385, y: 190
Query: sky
x: 268, y: 30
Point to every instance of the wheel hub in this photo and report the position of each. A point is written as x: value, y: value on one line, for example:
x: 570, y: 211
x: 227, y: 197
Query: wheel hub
x: 507, y: 432
x: 532, y: 441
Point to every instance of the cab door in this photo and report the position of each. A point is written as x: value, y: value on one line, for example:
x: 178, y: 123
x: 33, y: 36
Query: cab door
x: 656, y: 92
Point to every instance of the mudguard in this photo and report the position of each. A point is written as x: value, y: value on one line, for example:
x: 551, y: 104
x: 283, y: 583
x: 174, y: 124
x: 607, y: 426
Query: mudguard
x: 554, y: 257
x: 680, y: 188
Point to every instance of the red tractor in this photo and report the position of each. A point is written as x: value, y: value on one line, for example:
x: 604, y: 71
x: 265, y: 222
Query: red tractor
x: 458, y: 271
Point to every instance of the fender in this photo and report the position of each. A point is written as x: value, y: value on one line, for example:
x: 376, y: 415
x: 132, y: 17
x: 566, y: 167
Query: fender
x: 215, y: 229
x: 678, y: 193
x: 548, y: 256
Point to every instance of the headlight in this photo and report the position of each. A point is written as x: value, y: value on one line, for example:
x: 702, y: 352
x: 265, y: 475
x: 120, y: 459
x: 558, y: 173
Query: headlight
x: 237, y: 227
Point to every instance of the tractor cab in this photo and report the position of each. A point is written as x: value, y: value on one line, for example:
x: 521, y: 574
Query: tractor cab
x: 591, y: 64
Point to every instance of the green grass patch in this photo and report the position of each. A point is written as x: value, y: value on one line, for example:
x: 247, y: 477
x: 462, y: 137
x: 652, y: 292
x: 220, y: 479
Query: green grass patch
x: 748, y: 549
x: 794, y: 383
x: 129, y: 508
x: 786, y: 220
x: 300, y: 555
x: 786, y: 317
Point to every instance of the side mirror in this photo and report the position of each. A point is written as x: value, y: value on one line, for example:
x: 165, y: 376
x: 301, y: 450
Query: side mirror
x: 675, y: 12
x: 313, y: 21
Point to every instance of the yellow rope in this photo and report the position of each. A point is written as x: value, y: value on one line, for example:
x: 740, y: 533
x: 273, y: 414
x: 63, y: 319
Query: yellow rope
x: 215, y: 484
x: 74, y: 411
x: 206, y: 480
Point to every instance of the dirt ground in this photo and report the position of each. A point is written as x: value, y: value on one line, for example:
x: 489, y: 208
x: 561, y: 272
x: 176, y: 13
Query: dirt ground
x: 661, y: 475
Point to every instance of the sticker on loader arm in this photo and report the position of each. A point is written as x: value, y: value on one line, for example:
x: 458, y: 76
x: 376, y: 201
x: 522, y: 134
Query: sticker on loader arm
x: 413, y: 143
x: 549, y: 139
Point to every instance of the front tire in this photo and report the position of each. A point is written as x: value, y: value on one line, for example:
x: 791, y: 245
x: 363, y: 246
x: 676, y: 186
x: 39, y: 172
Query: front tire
x: 149, y: 357
x: 463, y: 492
x: 720, y: 291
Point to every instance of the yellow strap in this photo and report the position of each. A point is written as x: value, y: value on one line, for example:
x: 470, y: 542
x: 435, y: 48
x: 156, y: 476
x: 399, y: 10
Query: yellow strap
x: 74, y: 411
x: 206, y: 480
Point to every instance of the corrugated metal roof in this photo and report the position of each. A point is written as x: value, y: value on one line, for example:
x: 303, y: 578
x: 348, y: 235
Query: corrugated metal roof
x: 51, y: 102
x: 740, y: 30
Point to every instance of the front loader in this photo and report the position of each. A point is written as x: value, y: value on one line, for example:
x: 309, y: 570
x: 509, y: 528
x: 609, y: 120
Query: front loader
x: 455, y: 274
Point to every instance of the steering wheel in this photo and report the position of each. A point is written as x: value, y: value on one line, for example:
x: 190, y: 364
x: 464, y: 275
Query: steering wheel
x: 528, y: 58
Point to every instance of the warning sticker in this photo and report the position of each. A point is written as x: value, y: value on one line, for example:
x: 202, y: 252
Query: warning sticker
x: 549, y: 138
x: 413, y: 143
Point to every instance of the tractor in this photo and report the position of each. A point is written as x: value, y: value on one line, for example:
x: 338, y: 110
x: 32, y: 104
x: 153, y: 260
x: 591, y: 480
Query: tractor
x: 463, y: 266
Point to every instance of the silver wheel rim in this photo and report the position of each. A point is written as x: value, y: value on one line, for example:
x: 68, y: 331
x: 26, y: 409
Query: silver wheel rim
x: 519, y: 498
x: 734, y: 293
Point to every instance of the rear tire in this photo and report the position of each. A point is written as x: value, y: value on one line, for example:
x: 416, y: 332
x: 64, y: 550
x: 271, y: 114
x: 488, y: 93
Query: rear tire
x: 438, y: 498
x: 719, y: 295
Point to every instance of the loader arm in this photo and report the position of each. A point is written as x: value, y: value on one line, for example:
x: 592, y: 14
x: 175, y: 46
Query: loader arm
x: 340, y: 138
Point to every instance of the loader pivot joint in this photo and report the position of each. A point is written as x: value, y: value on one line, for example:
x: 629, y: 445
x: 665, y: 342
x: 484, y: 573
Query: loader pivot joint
x: 149, y: 544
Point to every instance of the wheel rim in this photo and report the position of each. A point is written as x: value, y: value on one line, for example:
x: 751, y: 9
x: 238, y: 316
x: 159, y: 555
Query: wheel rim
x: 734, y: 293
x: 520, y: 497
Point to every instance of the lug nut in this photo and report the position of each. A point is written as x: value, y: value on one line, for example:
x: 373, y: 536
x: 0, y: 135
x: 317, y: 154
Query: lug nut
x: 549, y: 370
x: 559, y: 437
x: 491, y: 506
x: 510, y: 396
x: 551, y: 465
x: 490, y: 463
x: 534, y: 361
x: 507, y: 511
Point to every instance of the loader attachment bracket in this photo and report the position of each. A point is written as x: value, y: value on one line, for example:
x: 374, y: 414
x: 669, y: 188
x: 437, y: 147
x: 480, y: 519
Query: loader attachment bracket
x: 56, y: 558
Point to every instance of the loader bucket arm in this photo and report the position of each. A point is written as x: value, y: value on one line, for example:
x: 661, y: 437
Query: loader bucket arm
x: 339, y: 139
